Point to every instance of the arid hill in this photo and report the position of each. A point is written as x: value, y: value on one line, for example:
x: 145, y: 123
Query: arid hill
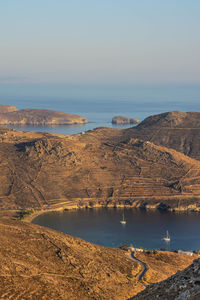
x: 39, y: 263
x: 176, y: 130
x: 42, y: 170
x: 38, y: 117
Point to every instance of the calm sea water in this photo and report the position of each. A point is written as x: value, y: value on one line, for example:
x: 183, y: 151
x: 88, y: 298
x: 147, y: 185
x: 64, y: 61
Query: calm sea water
x: 100, y: 105
x: 143, y: 228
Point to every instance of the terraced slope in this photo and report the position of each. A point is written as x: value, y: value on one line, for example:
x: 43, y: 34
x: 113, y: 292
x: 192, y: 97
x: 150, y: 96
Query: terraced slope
x: 41, y: 170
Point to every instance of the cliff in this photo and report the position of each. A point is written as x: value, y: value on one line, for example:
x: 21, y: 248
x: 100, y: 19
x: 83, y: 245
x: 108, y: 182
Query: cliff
x: 39, y: 117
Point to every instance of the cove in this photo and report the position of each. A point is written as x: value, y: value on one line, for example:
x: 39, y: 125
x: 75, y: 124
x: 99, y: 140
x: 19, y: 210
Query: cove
x: 143, y: 228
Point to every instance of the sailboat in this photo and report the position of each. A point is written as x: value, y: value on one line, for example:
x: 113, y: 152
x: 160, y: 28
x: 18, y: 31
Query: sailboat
x: 167, y: 237
x: 123, y: 221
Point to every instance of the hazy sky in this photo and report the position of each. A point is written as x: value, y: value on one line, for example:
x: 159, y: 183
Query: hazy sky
x: 100, y: 41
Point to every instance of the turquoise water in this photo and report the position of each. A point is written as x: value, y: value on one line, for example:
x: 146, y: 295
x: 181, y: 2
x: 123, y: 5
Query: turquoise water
x: 143, y: 228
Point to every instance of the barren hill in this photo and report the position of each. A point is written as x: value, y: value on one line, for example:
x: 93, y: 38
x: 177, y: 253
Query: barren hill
x: 41, y: 170
x: 38, y: 117
x: 177, y: 130
x: 39, y: 263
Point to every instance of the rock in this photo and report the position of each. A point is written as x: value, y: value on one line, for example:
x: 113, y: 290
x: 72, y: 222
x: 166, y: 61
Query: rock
x: 39, y: 117
x: 124, y: 120
x: 182, y: 285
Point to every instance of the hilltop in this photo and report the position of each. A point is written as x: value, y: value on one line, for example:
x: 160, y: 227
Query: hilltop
x: 176, y: 130
x: 37, y: 117
x: 43, y: 170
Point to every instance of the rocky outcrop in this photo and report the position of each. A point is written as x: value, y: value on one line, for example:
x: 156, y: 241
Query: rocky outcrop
x: 181, y: 286
x: 39, y: 117
x: 7, y: 108
x: 120, y: 120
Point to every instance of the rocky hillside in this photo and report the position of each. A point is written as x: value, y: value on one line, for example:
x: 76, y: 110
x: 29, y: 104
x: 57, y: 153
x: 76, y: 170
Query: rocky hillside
x: 39, y: 263
x: 181, y: 286
x: 38, y: 117
x: 176, y: 130
x: 41, y: 170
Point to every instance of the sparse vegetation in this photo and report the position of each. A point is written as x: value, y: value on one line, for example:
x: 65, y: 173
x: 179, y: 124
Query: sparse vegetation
x: 24, y: 213
x: 124, y: 247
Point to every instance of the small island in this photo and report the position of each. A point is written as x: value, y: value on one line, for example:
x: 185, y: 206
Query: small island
x: 120, y: 120
x: 10, y: 115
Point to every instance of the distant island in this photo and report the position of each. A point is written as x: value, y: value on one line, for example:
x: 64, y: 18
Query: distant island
x: 10, y: 115
x: 124, y: 120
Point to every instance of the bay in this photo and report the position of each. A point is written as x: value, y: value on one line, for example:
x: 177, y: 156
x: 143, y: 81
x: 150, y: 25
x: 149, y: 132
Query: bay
x: 143, y: 228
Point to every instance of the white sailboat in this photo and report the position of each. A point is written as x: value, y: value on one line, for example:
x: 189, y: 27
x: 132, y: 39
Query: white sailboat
x: 167, y: 237
x: 123, y: 221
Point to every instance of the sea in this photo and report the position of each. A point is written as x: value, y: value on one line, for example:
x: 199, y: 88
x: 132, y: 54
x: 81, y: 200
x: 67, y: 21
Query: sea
x: 99, y: 105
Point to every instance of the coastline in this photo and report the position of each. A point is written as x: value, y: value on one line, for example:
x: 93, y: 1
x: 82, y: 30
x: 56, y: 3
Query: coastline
x: 36, y: 213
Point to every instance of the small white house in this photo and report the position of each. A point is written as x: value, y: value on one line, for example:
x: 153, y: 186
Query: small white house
x: 137, y: 249
x: 190, y: 253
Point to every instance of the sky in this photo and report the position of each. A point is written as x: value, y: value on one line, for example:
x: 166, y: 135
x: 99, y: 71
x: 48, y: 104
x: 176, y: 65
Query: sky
x: 92, y: 42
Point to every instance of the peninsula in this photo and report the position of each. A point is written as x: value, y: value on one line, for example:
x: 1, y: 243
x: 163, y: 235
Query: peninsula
x: 10, y: 115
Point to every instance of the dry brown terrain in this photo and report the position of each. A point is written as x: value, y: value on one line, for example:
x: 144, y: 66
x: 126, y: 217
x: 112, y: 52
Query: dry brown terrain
x: 40, y: 170
x: 37, y: 117
x: 39, y: 263
x: 168, y: 262
x: 176, y: 130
